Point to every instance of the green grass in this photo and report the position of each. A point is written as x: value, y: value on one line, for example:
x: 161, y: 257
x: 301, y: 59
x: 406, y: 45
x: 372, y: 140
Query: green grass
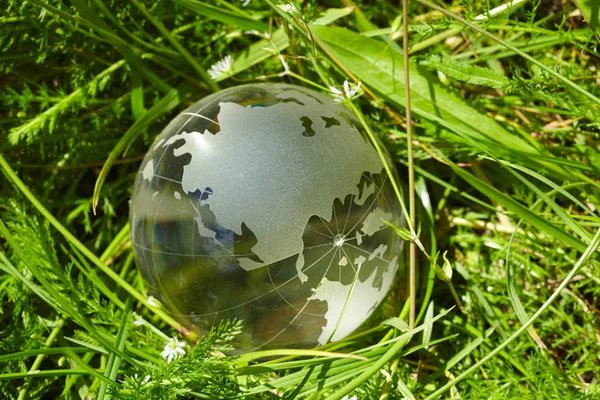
x: 506, y: 155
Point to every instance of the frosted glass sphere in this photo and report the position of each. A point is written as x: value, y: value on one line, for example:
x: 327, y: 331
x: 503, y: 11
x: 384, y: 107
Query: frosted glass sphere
x: 266, y: 203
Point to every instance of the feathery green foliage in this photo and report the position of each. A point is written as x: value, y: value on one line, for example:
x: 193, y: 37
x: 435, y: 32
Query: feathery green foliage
x: 506, y: 152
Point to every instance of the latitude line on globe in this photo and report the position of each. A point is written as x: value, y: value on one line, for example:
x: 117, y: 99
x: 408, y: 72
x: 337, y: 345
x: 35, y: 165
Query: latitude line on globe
x: 262, y: 295
x: 192, y: 117
x: 200, y: 116
x: 208, y: 256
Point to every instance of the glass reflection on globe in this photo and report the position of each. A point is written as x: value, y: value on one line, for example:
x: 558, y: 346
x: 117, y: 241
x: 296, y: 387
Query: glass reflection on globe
x: 265, y: 203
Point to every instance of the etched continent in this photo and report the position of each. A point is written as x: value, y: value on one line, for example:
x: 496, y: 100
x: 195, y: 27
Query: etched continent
x: 266, y: 172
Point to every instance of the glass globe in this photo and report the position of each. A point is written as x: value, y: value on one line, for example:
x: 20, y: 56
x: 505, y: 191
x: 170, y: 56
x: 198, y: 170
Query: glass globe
x: 266, y: 203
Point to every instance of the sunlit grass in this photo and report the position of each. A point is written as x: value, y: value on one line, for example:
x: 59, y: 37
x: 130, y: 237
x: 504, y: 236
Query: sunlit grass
x: 506, y: 154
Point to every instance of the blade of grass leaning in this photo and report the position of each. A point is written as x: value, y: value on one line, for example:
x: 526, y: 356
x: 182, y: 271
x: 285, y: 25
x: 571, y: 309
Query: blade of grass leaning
x: 339, y: 378
x: 412, y: 207
x: 340, y: 365
x: 512, y: 291
x: 514, y: 297
x: 381, y: 70
x: 226, y: 17
x: 370, y: 371
x: 423, y: 195
x: 49, y: 351
x: 509, y: 46
x: 12, y: 176
x: 167, y: 103
x: 245, y: 358
x: 324, y: 371
x: 300, y: 386
x: 120, y: 45
x: 6, y: 266
x: 333, y: 14
x: 468, y: 349
x: 47, y: 119
x: 590, y: 9
x: 400, y: 342
x: 275, y: 366
x: 117, y: 24
x: 180, y: 48
x: 78, y: 260
x: 114, y: 361
x: 44, y: 374
x: 542, y: 178
x: 452, y: 188
x: 278, y: 41
x: 137, y: 94
x: 518, y: 208
x: 560, y: 212
x: 585, y: 257
x: 65, y: 304
x: 427, y: 322
x: 40, y: 357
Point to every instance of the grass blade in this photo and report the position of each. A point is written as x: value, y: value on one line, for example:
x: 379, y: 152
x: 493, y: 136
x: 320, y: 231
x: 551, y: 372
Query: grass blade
x: 114, y: 361
x: 585, y: 257
x: 226, y: 17
x: 167, y: 103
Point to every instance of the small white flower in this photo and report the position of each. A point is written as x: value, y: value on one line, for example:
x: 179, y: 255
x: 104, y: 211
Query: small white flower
x: 245, y: 2
x: 349, y: 91
x: 137, y: 320
x: 153, y: 302
x: 146, y: 379
x: 221, y: 67
x: 349, y: 398
x: 173, y: 350
x: 289, y: 8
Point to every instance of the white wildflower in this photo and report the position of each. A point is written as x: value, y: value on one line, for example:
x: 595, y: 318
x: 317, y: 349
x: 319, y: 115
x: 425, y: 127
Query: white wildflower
x: 349, y: 398
x: 349, y: 91
x: 144, y: 381
x: 153, y: 302
x: 289, y: 8
x: 221, y: 67
x: 137, y: 320
x: 173, y: 350
x: 245, y: 2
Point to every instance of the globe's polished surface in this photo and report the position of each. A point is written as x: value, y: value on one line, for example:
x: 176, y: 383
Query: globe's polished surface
x: 265, y: 203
